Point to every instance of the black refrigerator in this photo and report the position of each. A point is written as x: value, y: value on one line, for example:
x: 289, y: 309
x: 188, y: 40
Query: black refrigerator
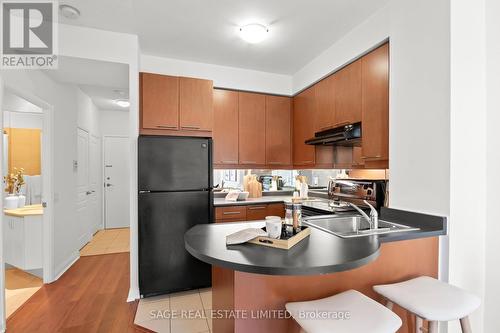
x: 175, y: 194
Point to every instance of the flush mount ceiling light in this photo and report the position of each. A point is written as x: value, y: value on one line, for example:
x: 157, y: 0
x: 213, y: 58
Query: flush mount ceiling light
x: 123, y: 103
x: 254, y: 33
x: 69, y: 12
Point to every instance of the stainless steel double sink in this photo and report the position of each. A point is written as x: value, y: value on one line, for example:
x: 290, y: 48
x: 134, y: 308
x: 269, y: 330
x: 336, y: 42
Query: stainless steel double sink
x: 353, y: 226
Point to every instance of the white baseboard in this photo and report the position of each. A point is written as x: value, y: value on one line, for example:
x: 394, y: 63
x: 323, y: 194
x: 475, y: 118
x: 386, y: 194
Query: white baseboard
x: 133, y: 294
x: 65, y: 265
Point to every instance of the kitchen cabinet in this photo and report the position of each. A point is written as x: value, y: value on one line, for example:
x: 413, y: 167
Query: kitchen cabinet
x: 348, y: 94
x: 249, y: 212
x: 375, y: 107
x: 195, y: 104
x: 178, y: 106
x: 225, y: 129
x: 251, y: 129
x: 304, y: 105
x: 159, y: 103
x: 22, y: 241
x: 325, y: 100
x: 278, y: 131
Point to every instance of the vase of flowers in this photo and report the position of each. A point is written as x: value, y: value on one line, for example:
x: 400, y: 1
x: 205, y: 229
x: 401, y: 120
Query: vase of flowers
x: 19, y: 184
x: 11, y: 200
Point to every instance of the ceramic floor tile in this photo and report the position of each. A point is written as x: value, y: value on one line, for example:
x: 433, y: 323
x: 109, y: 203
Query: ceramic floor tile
x: 186, y: 301
x: 188, y: 325
x: 206, y: 299
x: 159, y: 326
x: 145, y: 309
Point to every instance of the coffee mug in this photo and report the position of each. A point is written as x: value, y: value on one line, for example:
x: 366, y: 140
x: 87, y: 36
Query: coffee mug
x: 273, y: 226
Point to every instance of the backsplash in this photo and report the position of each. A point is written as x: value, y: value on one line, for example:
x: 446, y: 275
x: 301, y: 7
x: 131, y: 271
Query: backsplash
x: 233, y: 178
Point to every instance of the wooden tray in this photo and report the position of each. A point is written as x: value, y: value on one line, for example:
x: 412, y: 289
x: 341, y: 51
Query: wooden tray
x: 285, y: 244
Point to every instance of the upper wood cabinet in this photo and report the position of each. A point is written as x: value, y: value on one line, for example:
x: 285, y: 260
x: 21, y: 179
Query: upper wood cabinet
x: 278, y: 131
x: 195, y: 104
x: 325, y: 101
x: 225, y: 129
x: 375, y: 106
x: 159, y: 101
x: 304, y: 105
x: 170, y: 105
x: 348, y: 94
x: 252, y: 134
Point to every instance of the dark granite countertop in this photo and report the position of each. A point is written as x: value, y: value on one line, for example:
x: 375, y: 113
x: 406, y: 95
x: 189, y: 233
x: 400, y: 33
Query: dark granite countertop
x: 320, y: 253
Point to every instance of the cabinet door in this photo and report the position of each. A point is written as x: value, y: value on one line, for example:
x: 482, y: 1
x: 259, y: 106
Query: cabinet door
x: 256, y: 212
x: 277, y: 209
x: 278, y: 131
x: 225, y: 130
x: 375, y: 102
x: 252, y: 135
x: 325, y: 100
x: 159, y: 101
x: 195, y: 104
x: 348, y: 94
x: 303, y: 127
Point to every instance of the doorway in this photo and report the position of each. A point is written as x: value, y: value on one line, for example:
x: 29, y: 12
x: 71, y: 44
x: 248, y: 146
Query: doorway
x: 26, y: 236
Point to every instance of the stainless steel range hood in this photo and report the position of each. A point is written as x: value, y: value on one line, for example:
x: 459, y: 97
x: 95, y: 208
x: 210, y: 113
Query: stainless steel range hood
x: 345, y: 135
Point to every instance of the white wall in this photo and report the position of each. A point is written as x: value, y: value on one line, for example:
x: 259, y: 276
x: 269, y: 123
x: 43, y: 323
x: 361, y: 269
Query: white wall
x: 492, y: 246
x: 223, y: 76
x: 22, y: 119
x: 87, y: 114
x: 468, y: 150
x: 114, y: 122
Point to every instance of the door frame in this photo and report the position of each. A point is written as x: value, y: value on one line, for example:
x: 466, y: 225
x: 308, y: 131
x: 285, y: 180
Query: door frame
x: 47, y: 173
x: 104, y: 137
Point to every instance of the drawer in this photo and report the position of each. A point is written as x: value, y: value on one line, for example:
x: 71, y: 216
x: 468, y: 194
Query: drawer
x: 277, y: 209
x: 234, y: 213
x: 256, y: 212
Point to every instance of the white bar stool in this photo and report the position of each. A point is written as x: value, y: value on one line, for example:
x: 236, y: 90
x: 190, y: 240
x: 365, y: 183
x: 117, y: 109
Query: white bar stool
x: 365, y: 315
x: 431, y: 300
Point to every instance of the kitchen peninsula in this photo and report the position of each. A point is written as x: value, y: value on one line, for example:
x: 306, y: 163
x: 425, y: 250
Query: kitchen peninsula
x: 251, y: 277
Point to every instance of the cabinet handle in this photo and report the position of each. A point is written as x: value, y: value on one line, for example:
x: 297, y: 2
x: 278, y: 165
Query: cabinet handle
x: 371, y: 157
x: 231, y: 213
x: 229, y: 162
x: 165, y: 126
x: 303, y: 163
x: 257, y: 208
x: 191, y: 127
x: 275, y: 163
x: 249, y: 162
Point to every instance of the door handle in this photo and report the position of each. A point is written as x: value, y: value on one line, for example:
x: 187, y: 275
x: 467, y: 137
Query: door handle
x: 88, y: 192
x: 109, y: 185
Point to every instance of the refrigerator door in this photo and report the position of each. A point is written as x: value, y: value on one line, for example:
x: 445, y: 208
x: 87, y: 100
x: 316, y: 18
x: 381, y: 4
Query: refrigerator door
x: 174, y: 163
x: 164, y: 264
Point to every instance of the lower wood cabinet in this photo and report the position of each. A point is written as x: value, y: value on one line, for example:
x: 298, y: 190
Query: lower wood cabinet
x: 248, y: 212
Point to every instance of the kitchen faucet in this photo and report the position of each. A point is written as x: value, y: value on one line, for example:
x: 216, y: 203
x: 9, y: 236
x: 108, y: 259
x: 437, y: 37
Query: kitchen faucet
x: 372, y: 219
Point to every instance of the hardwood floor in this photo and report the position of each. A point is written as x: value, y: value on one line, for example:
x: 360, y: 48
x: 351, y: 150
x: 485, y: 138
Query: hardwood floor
x: 90, y: 297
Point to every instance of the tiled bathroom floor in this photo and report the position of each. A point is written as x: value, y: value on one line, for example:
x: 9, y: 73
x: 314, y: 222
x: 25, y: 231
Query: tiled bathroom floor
x: 108, y: 241
x: 189, y: 312
x: 19, y: 287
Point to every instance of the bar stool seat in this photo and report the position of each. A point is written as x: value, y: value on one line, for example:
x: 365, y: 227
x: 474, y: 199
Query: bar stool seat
x: 430, y: 299
x: 365, y: 315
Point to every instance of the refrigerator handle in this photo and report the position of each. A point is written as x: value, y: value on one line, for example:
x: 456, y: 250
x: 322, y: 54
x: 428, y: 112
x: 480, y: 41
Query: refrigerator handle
x: 211, y: 209
x: 211, y: 180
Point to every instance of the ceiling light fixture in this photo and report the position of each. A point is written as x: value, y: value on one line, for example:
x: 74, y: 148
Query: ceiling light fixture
x: 123, y: 103
x: 254, y: 33
x: 69, y: 12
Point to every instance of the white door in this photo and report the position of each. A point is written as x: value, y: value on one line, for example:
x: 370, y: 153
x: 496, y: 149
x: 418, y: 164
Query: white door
x: 83, y: 190
x: 95, y: 184
x: 116, y: 179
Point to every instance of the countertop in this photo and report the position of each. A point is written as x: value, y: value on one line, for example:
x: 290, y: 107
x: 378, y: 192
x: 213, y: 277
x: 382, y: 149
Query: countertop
x: 30, y: 210
x: 320, y: 253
